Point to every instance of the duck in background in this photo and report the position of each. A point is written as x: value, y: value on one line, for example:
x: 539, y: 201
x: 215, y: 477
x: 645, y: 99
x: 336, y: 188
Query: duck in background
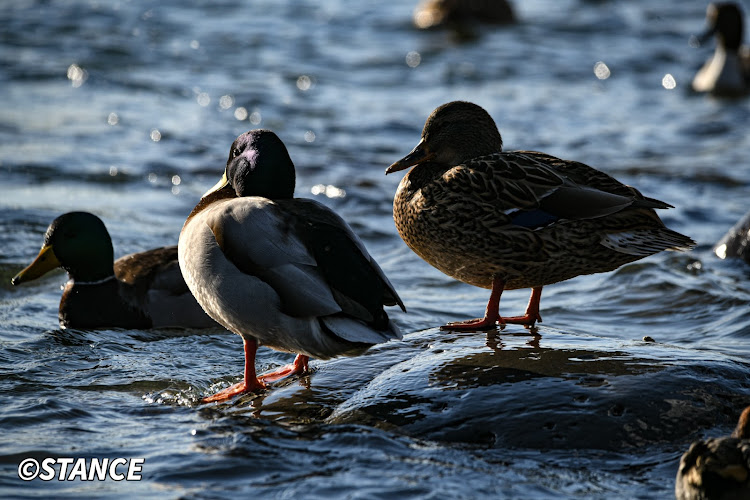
x: 717, y: 468
x: 736, y: 243
x: 431, y: 14
x: 523, y: 219
x: 727, y: 72
x: 281, y: 271
x: 140, y: 290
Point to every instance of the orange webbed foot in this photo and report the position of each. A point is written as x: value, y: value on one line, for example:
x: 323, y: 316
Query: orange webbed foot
x: 298, y: 367
x: 473, y: 325
x: 235, y: 390
x: 527, y: 320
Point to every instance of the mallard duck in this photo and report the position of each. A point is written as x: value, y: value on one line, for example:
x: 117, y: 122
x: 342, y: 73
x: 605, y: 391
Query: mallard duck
x: 522, y: 219
x: 140, y: 290
x: 280, y: 271
x: 736, y: 243
x: 717, y: 468
x: 727, y: 72
x: 439, y: 13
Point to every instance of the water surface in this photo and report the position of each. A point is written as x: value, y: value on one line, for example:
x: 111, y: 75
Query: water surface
x: 127, y: 109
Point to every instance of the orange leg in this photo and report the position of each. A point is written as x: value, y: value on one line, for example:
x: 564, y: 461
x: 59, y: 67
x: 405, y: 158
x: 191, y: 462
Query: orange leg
x: 532, y: 310
x: 250, y: 382
x: 492, y: 315
x: 298, y: 367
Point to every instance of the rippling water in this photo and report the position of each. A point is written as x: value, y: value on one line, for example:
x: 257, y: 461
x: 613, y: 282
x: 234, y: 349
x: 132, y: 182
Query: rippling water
x: 127, y: 109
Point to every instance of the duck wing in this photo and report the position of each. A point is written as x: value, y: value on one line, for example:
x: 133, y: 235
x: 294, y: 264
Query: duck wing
x: 259, y: 240
x: 140, y: 269
x: 535, y: 189
x: 358, y: 283
x: 151, y: 281
x: 306, y: 253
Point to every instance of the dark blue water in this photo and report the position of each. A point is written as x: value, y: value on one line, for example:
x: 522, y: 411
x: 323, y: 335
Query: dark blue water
x: 127, y: 109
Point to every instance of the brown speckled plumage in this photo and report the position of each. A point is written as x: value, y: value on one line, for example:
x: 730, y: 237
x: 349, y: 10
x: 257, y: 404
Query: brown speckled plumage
x: 717, y: 468
x: 526, y: 218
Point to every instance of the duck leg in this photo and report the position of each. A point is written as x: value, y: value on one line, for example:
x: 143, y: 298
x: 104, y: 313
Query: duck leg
x: 532, y: 310
x: 298, y: 367
x: 491, y: 314
x: 250, y: 382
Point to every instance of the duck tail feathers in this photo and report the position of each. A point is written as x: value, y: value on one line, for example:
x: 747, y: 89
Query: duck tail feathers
x: 651, y: 203
x: 645, y: 242
x: 353, y: 330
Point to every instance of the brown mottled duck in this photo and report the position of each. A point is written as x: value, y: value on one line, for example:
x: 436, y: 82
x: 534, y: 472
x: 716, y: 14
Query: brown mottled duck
x: 522, y: 219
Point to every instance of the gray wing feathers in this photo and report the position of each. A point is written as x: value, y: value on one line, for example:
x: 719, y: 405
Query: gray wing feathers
x: 278, y: 257
x: 356, y: 331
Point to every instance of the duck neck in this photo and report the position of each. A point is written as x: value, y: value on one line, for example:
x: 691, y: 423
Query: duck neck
x: 80, y: 282
x: 92, y: 272
x: 221, y: 194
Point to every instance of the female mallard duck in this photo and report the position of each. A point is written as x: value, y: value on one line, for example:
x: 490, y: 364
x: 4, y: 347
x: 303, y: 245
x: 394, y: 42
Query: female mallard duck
x: 717, y: 468
x: 141, y: 290
x: 440, y: 13
x: 507, y: 220
x: 727, y: 73
x: 280, y: 271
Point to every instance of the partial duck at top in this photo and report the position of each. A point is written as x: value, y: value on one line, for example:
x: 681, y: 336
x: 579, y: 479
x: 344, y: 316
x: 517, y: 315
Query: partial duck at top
x: 279, y: 271
x: 522, y: 219
x: 727, y: 72
x: 140, y: 290
x: 431, y: 14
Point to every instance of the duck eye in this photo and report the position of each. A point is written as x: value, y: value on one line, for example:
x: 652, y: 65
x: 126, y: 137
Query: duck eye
x: 235, y: 152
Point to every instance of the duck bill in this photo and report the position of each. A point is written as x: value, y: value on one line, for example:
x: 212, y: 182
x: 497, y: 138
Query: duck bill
x: 706, y: 36
x: 44, y: 263
x: 418, y: 155
x: 219, y: 185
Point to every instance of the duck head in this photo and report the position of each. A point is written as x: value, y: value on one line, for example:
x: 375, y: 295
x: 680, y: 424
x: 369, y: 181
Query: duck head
x: 258, y: 165
x: 79, y: 243
x: 454, y: 133
x: 724, y: 19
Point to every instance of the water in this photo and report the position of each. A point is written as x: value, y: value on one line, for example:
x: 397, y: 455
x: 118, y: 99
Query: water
x: 127, y: 109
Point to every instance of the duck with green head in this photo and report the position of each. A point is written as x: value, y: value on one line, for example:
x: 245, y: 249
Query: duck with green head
x: 141, y: 290
x: 508, y: 220
x: 727, y: 72
x: 279, y: 271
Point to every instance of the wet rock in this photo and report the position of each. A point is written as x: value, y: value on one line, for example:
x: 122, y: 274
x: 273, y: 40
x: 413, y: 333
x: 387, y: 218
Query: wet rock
x: 552, y: 390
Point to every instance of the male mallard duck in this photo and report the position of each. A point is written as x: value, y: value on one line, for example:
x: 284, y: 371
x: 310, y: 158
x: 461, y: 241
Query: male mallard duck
x: 736, y: 243
x: 507, y: 220
x: 141, y: 290
x: 728, y: 71
x: 717, y: 468
x: 439, y: 13
x: 280, y: 271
